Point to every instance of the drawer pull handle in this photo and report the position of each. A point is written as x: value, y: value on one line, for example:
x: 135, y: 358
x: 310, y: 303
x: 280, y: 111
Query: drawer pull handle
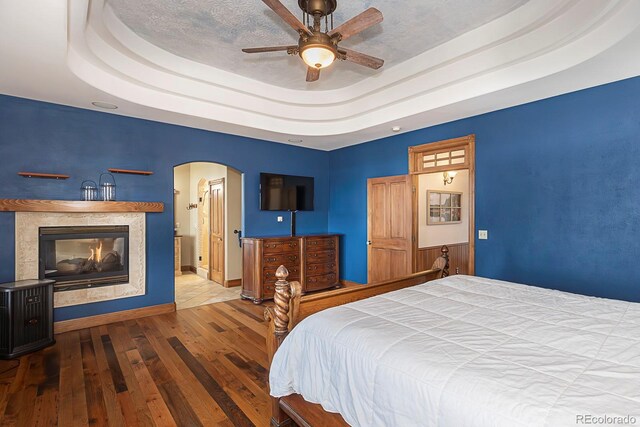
x: 33, y: 321
x: 271, y: 259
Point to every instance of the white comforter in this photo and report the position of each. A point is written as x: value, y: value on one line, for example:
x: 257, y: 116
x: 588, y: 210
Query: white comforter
x: 467, y: 351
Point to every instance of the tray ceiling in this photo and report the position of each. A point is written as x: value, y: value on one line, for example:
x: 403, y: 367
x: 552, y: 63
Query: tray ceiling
x: 213, y: 32
x: 159, y: 63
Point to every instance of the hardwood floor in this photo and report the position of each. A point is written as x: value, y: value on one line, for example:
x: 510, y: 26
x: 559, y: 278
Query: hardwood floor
x: 199, y: 366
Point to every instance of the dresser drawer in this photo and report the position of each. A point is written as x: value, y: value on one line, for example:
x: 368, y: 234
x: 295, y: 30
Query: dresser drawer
x: 281, y: 245
x: 324, y: 281
x: 321, y: 257
x: 269, y: 286
x: 269, y: 274
x: 320, y: 243
x: 321, y: 268
x: 268, y: 289
x: 276, y: 260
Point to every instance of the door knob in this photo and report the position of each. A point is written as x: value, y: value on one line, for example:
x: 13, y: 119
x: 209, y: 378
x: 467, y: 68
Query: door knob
x: 239, y: 234
x: 368, y: 242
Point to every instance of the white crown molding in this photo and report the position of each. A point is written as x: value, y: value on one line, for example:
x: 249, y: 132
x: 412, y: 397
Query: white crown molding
x: 537, y: 40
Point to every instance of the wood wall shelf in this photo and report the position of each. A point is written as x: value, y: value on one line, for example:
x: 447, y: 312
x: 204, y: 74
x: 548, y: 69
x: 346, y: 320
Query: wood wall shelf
x: 28, y: 205
x: 43, y: 175
x: 130, y: 171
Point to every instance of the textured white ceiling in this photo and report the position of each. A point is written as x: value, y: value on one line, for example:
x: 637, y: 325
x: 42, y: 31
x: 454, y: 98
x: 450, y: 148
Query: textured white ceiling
x: 213, y: 32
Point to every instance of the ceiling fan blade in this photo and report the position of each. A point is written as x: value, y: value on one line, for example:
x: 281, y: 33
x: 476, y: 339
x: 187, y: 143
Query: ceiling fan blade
x: 358, y: 23
x: 362, y: 59
x: 268, y: 49
x: 313, y: 74
x: 287, y: 16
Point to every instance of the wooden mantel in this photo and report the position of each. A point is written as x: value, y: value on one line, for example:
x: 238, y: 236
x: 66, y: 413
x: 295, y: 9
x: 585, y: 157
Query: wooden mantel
x: 27, y: 205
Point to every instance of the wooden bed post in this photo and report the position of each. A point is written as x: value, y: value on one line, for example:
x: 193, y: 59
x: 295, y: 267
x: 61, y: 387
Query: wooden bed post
x: 442, y: 262
x: 281, y: 298
x: 445, y: 255
x: 278, y: 320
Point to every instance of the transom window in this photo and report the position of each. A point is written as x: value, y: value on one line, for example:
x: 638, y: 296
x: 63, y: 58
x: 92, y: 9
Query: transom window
x: 447, y: 158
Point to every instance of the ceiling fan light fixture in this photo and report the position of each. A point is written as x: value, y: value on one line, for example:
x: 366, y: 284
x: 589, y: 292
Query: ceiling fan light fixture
x: 318, y: 49
x: 318, y: 56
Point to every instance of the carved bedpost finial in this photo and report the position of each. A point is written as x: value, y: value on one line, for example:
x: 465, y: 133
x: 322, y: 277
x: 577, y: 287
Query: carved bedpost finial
x: 282, y: 298
x: 282, y: 273
x: 445, y: 255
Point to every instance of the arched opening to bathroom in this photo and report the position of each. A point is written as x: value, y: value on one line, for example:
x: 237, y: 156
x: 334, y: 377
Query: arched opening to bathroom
x: 207, y: 230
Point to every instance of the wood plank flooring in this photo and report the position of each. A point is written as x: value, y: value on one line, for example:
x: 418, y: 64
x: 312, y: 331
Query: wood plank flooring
x: 201, y: 366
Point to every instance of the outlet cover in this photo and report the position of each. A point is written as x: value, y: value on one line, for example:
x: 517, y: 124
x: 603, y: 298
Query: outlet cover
x: 483, y: 234
x: 280, y: 219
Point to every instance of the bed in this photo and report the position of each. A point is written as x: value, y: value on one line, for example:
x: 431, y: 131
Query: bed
x: 454, y: 351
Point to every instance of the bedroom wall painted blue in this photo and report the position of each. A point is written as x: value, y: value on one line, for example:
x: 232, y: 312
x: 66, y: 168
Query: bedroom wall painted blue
x: 575, y: 154
x: 557, y: 186
x: 41, y: 137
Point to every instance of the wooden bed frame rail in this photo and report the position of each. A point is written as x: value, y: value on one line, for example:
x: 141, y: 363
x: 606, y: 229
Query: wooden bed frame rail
x: 291, y: 307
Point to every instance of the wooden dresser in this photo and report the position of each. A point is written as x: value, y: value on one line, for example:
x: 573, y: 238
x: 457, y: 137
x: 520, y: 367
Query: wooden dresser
x: 311, y: 260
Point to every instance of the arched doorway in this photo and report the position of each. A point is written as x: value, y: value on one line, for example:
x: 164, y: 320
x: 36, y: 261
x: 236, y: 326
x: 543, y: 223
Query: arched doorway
x: 207, y: 226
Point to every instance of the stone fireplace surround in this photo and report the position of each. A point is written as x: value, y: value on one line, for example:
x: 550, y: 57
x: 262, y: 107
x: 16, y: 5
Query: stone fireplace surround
x: 27, y: 245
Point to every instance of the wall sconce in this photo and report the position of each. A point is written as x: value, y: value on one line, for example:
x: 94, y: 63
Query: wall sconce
x: 448, y: 177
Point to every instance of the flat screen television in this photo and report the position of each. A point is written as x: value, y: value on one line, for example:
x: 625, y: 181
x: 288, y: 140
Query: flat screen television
x: 286, y: 192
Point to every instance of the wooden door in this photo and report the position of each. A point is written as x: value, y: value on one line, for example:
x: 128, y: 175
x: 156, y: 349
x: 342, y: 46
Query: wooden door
x: 204, y: 227
x: 217, y: 230
x: 389, y: 227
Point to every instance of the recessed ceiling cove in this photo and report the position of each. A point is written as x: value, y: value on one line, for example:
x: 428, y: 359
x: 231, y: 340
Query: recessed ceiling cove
x: 181, y: 62
x: 213, y: 32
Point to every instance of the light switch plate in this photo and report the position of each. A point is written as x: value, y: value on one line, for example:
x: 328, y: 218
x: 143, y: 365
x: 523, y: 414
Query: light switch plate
x: 280, y: 219
x: 483, y: 234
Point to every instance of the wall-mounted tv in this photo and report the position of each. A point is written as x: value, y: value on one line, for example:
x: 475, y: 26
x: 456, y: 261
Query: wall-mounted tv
x: 286, y: 192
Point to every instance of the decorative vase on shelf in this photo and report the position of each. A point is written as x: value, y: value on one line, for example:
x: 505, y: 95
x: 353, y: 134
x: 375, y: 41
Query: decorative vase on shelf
x: 89, y: 190
x: 107, y: 187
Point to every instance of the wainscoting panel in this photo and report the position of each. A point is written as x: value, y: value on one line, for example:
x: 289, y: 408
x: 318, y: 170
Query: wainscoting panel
x: 458, y: 258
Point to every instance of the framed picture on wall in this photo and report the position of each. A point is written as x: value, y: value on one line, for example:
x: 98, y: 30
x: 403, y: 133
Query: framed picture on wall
x: 443, y: 207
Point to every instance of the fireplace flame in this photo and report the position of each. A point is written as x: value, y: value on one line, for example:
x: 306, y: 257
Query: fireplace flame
x: 96, y: 254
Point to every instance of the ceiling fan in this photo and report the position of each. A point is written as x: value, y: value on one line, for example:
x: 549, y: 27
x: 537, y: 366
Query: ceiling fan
x: 317, y: 48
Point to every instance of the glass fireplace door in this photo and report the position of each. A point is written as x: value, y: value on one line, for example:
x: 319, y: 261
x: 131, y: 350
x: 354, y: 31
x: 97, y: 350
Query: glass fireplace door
x: 84, y: 257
